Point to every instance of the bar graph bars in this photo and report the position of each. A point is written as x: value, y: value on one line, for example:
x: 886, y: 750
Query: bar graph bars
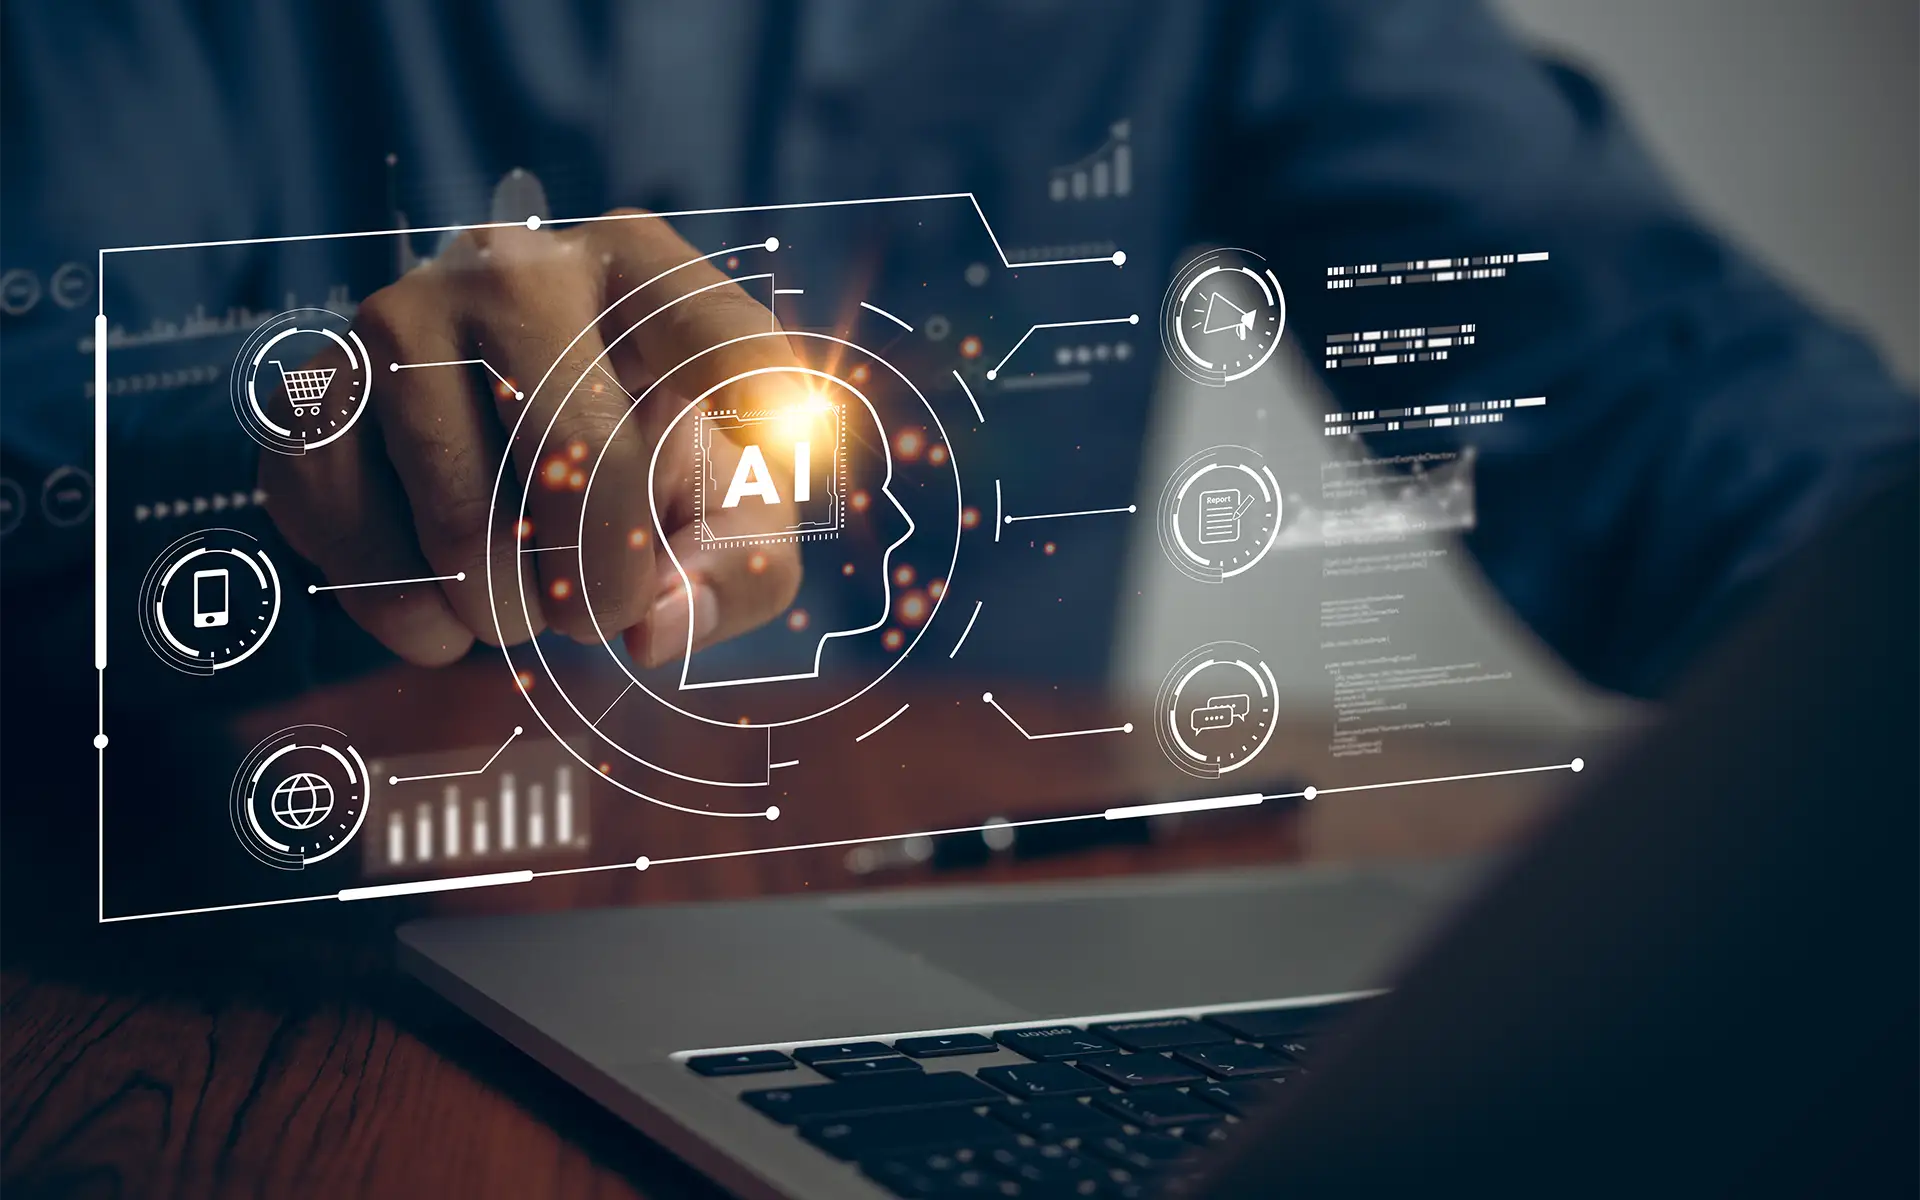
x: 483, y: 820
x: 1106, y: 173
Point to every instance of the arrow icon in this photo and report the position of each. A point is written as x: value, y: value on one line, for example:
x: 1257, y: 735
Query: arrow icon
x: 1223, y: 314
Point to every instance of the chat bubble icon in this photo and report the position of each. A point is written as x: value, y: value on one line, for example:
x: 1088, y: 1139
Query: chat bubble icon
x: 1219, y: 712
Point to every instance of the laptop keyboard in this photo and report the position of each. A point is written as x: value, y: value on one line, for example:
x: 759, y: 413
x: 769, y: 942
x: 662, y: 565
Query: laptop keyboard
x: 1092, y: 1108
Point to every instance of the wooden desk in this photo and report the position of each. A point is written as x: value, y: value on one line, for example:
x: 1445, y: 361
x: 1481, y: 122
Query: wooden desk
x: 277, y: 1052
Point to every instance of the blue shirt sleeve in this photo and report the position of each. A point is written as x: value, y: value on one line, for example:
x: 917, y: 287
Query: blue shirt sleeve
x: 1703, y: 424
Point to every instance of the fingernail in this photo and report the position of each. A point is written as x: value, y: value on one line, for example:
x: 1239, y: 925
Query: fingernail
x: 667, y: 627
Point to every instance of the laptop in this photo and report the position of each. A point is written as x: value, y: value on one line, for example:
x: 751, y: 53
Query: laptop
x: 1061, y: 1039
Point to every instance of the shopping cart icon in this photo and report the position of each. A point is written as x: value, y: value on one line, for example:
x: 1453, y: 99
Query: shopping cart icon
x: 305, y: 389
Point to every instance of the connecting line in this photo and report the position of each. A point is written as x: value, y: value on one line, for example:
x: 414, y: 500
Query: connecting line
x: 882, y: 725
x: 1041, y: 737
x: 961, y: 380
x: 616, y: 700
x: 967, y: 630
x: 312, y: 588
x: 889, y: 316
x: 461, y: 774
x: 643, y: 863
x: 464, y: 362
x: 1085, y: 512
x: 1130, y: 320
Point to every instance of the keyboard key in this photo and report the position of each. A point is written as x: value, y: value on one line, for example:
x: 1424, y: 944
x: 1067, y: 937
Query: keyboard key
x: 1236, y: 1061
x: 885, y: 1135
x: 862, y: 1068
x: 1263, y: 1024
x: 945, y: 1046
x: 1144, y: 1152
x: 747, y: 1062
x: 1052, y: 1119
x: 1208, y: 1136
x: 1052, y: 1042
x: 813, y: 1056
x: 1140, y: 1070
x: 1241, y: 1096
x: 1157, y: 1108
x: 861, y: 1097
x: 1042, y: 1079
x: 1299, y: 1047
x: 1057, y: 1171
x: 1163, y: 1033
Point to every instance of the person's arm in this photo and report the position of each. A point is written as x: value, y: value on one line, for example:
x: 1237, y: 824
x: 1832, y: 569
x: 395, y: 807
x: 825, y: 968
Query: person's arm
x: 1701, y: 421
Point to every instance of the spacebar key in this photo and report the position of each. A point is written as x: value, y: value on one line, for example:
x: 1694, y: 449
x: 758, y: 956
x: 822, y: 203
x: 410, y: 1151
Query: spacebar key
x: 861, y: 1097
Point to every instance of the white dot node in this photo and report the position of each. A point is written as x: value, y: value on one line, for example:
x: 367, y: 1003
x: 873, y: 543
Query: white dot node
x: 986, y: 697
x: 517, y: 731
x: 1009, y: 520
x: 642, y: 863
x: 773, y: 812
x: 312, y: 589
x: 1310, y: 793
x: 393, y: 779
x: 533, y: 222
x: 994, y: 374
x: 1578, y: 765
x: 99, y: 741
x: 1127, y: 728
x: 1133, y: 508
x: 1134, y: 319
x: 519, y: 395
x: 393, y: 368
x: 1119, y: 258
x: 773, y: 243
x: 460, y: 577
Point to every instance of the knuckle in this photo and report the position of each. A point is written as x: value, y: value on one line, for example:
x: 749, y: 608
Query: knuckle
x: 453, y: 524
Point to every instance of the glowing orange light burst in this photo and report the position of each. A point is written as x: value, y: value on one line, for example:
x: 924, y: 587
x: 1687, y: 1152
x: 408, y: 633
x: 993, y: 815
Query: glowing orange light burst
x: 936, y: 454
x: 503, y: 390
x: 637, y: 539
x: 860, y: 501
x: 560, y: 589
x: 893, y: 639
x: 860, y: 373
x: 1048, y: 548
x: 577, y: 450
x: 524, y: 529
x: 733, y: 262
x: 913, y: 608
x: 908, y: 444
x: 903, y: 575
x: 577, y: 480
x: 969, y: 517
x: 525, y: 680
x: 937, y: 588
x: 606, y: 768
x: 757, y: 563
x: 797, y: 619
x: 846, y: 569
x: 556, y: 472
x: 970, y: 347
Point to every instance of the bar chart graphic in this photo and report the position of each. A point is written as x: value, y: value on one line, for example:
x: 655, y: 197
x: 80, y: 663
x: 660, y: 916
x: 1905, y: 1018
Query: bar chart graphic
x: 535, y: 806
x: 1106, y: 173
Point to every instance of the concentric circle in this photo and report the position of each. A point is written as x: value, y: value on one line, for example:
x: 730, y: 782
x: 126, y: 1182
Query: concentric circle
x: 299, y: 796
x: 1216, y: 709
x: 301, y: 380
x: 209, y: 601
x: 1219, y: 513
x: 1222, y: 316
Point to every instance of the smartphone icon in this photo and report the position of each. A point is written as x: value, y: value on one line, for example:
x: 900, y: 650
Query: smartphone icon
x: 210, y: 599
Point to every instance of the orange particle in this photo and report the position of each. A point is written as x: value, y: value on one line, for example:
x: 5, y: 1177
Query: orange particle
x: 757, y: 563
x: 560, y: 589
x: 733, y: 262
x: 524, y: 529
x: 637, y: 538
x: 525, y: 680
x: 556, y: 472
x: 903, y: 575
x: 576, y: 450
x: 846, y: 569
x: 860, y: 501
x: 577, y: 480
x: 936, y: 454
x: 908, y: 444
x: 969, y: 517
x: 893, y: 639
x: 797, y: 619
x: 1047, y: 549
x: 606, y: 768
x: 860, y: 373
x: 937, y: 588
x: 970, y: 347
x: 913, y: 608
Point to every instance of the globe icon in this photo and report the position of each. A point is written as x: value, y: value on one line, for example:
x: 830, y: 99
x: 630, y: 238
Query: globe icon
x: 302, y: 801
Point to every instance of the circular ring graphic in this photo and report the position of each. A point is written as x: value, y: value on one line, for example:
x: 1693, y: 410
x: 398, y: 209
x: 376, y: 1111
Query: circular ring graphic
x: 209, y: 601
x: 1215, y: 711
x: 513, y: 514
x: 66, y: 496
x: 1222, y: 318
x: 322, y: 401
x: 1219, y: 513
x: 299, y: 796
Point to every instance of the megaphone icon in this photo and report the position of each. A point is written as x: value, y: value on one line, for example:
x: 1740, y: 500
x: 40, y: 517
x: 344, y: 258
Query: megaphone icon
x: 1223, y: 314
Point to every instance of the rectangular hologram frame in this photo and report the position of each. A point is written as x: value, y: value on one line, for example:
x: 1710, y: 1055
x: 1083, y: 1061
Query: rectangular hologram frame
x: 819, y: 510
